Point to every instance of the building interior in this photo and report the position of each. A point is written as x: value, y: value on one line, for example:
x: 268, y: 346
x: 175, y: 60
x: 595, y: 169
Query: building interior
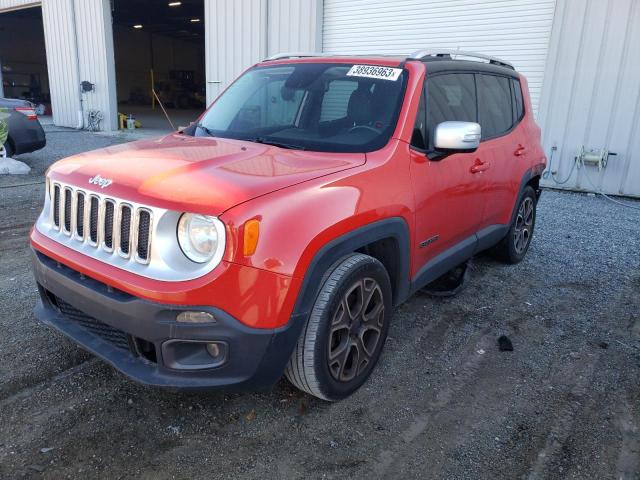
x: 158, y: 47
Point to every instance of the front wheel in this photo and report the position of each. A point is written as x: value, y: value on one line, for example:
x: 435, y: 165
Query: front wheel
x: 514, y: 247
x: 346, y: 330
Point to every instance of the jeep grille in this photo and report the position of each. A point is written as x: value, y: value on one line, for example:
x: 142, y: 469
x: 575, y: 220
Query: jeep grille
x: 102, y: 222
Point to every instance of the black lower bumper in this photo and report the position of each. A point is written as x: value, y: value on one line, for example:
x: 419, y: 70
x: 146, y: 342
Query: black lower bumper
x: 142, y: 339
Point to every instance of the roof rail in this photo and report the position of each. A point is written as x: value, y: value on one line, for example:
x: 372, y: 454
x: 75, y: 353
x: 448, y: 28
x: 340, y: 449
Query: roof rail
x: 449, y: 53
x: 280, y: 56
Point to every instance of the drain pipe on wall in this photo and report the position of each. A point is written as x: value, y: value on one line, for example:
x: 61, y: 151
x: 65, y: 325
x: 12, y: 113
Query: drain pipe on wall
x: 80, y: 125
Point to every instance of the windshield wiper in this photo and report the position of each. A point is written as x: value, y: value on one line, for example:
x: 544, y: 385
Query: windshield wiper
x: 276, y: 143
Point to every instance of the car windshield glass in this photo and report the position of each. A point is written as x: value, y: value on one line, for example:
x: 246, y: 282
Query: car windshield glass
x: 310, y: 106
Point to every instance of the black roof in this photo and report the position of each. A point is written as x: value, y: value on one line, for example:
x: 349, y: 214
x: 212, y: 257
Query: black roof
x: 441, y: 64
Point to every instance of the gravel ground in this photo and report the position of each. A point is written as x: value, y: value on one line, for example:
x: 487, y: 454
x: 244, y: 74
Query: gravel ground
x: 443, y: 403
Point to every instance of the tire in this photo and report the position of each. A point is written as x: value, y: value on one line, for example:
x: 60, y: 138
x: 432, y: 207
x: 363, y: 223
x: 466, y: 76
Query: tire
x: 513, y: 248
x: 346, y: 330
x: 8, y: 149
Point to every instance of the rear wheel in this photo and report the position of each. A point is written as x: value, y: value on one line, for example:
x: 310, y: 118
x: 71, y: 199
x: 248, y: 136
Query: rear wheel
x: 8, y: 149
x: 345, y: 332
x: 514, y: 247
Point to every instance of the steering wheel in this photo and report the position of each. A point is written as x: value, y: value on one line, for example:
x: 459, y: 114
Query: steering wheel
x: 366, y: 127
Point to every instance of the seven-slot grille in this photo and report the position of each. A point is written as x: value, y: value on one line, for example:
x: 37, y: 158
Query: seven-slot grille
x: 102, y: 222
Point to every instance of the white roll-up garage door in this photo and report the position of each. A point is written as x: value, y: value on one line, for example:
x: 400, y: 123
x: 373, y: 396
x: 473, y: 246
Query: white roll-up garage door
x: 514, y: 30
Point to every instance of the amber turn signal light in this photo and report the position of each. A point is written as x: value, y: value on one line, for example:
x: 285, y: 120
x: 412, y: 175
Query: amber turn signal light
x: 251, y: 234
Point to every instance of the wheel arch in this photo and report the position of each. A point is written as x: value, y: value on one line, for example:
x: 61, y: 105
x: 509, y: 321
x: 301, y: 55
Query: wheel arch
x: 531, y: 178
x: 386, y: 240
x: 534, y: 182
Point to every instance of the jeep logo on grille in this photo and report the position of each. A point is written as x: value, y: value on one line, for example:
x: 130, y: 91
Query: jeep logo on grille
x: 102, y: 182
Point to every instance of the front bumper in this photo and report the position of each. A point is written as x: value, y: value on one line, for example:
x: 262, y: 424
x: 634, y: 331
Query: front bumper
x: 138, y: 337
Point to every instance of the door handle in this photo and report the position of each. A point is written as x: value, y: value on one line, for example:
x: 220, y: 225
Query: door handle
x: 479, y: 166
x: 520, y: 151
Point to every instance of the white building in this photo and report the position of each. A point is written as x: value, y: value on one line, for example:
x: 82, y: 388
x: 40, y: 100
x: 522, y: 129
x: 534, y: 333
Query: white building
x: 581, y: 57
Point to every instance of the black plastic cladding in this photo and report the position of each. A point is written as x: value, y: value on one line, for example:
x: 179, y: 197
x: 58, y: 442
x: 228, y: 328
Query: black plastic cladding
x: 441, y: 64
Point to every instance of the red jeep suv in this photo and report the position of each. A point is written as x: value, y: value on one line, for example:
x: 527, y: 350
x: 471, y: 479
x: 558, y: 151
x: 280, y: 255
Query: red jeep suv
x: 277, y: 233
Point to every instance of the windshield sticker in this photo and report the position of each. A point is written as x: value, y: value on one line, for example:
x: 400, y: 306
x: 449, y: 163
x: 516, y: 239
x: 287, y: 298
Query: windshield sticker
x: 373, y: 71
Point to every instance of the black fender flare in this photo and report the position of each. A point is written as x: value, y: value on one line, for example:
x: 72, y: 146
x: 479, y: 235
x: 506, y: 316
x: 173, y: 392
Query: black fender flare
x: 532, y: 172
x: 285, y: 338
x: 395, y: 228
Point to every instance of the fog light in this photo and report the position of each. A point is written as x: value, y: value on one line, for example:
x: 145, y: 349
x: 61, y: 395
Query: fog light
x: 181, y: 354
x: 195, y: 317
x: 214, y: 350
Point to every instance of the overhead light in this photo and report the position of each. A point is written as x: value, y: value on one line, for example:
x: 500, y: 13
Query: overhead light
x: 138, y: 26
x: 195, y: 20
x: 175, y: 4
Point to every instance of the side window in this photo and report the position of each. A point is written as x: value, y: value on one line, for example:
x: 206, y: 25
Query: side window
x: 494, y: 105
x: 419, y: 136
x: 336, y: 100
x: 450, y: 97
x: 519, y: 102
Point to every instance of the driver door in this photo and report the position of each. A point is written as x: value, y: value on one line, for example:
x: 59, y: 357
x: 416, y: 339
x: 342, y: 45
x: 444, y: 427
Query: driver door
x: 448, y: 189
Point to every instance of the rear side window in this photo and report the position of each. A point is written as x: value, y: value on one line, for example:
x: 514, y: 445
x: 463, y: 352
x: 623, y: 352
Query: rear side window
x: 494, y: 105
x: 450, y: 97
x: 519, y: 103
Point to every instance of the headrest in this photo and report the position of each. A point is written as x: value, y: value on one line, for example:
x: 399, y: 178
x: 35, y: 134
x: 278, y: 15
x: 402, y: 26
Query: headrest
x: 360, y: 107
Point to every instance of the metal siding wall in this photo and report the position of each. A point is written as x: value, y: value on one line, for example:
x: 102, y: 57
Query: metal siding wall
x: 515, y: 30
x: 591, y: 95
x: 294, y: 25
x: 235, y: 37
x: 97, y: 63
x: 62, y: 61
x: 79, y: 45
x: 240, y: 33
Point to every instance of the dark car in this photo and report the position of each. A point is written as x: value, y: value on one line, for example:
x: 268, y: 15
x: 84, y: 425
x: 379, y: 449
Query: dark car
x: 25, y: 132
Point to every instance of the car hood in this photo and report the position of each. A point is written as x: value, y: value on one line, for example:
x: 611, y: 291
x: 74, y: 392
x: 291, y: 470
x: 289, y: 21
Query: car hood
x: 196, y: 174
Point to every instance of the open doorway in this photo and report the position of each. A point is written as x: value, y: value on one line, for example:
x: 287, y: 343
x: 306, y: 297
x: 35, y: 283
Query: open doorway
x: 159, y: 44
x: 23, y: 62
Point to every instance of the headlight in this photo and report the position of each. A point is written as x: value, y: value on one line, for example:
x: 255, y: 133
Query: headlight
x: 201, y: 237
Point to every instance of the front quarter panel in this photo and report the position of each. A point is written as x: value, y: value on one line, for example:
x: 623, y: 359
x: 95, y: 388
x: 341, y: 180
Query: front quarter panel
x: 296, y: 223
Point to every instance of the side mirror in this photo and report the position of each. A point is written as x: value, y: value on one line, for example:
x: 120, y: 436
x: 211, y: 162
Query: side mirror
x: 456, y: 136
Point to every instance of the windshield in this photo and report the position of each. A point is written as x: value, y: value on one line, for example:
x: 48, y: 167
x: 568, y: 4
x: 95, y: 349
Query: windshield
x: 310, y: 106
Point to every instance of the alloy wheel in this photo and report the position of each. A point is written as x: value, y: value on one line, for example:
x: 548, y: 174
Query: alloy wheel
x: 356, y: 329
x: 524, y: 225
